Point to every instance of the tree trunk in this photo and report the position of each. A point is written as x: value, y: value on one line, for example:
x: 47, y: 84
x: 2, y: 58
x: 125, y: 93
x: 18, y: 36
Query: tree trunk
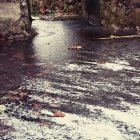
x: 91, y: 11
x: 84, y: 11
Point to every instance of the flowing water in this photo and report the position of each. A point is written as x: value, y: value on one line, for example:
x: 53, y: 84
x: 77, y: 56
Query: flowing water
x: 97, y: 86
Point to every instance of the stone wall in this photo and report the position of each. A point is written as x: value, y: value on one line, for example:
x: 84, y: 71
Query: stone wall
x: 56, y: 6
x: 15, y: 21
x: 121, y: 13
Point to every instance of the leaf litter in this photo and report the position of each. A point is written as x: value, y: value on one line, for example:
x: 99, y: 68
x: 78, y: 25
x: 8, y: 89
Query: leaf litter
x: 18, y: 104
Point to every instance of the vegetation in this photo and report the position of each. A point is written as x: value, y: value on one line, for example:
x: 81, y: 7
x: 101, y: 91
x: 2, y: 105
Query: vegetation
x: 53, y: 6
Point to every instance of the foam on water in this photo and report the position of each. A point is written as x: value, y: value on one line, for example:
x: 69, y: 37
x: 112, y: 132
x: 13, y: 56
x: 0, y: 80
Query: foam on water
x: 117, y: 67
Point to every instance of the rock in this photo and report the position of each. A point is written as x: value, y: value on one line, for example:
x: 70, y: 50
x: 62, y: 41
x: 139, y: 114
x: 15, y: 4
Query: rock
x: 19, y: 37
x: 23, y: 3
x: 70, y: 1
x: 25, y: 33
x: 70, y: 9
x: 22, y: 24
x: 113, y: 7
x: 136, y: 17
x: 138, y: 29
x: 121, y: 13
x: 129, y: 31
x: 2, y: 108
x: 10, y: 37
x: 14, y: 19
x: 106, y: 13
x: 115, y: 28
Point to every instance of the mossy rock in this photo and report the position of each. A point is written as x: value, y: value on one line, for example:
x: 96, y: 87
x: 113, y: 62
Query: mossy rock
x: 136, y: 17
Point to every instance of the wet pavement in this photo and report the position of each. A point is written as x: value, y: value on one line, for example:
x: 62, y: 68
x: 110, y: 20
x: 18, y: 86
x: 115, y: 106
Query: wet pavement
x: 97, y: 86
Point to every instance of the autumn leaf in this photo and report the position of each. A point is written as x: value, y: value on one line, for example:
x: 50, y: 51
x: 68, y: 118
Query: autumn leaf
x: 59, y: 114
x: 36, y: 105
x: 75, y: 48
x: 101, y: 62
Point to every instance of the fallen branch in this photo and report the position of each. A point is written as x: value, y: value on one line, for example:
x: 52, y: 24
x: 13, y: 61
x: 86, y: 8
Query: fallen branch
x: 117, y: 37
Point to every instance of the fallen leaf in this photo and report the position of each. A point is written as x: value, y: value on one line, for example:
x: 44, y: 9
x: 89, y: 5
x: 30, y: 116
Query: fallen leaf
x: 75, y: 47
x: 13, y: 96
x: 101, y: 62
x: 36, y: 105
x: 22, y: 95
x: 58, y: 114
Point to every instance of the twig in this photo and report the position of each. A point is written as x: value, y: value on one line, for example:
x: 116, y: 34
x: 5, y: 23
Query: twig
x: 117, y: 37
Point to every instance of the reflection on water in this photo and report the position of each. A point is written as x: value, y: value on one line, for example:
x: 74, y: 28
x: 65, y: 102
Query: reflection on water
x: 96, y: 86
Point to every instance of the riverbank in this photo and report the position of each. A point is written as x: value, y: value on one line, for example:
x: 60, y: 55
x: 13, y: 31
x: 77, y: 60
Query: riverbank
x: 7, y: 37
x: 95, y: 31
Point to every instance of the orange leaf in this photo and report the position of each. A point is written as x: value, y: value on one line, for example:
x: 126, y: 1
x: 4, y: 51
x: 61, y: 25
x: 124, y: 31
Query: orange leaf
x: 58, y: 114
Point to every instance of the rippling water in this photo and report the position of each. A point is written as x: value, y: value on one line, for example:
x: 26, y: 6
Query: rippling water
x: 97, y: 86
